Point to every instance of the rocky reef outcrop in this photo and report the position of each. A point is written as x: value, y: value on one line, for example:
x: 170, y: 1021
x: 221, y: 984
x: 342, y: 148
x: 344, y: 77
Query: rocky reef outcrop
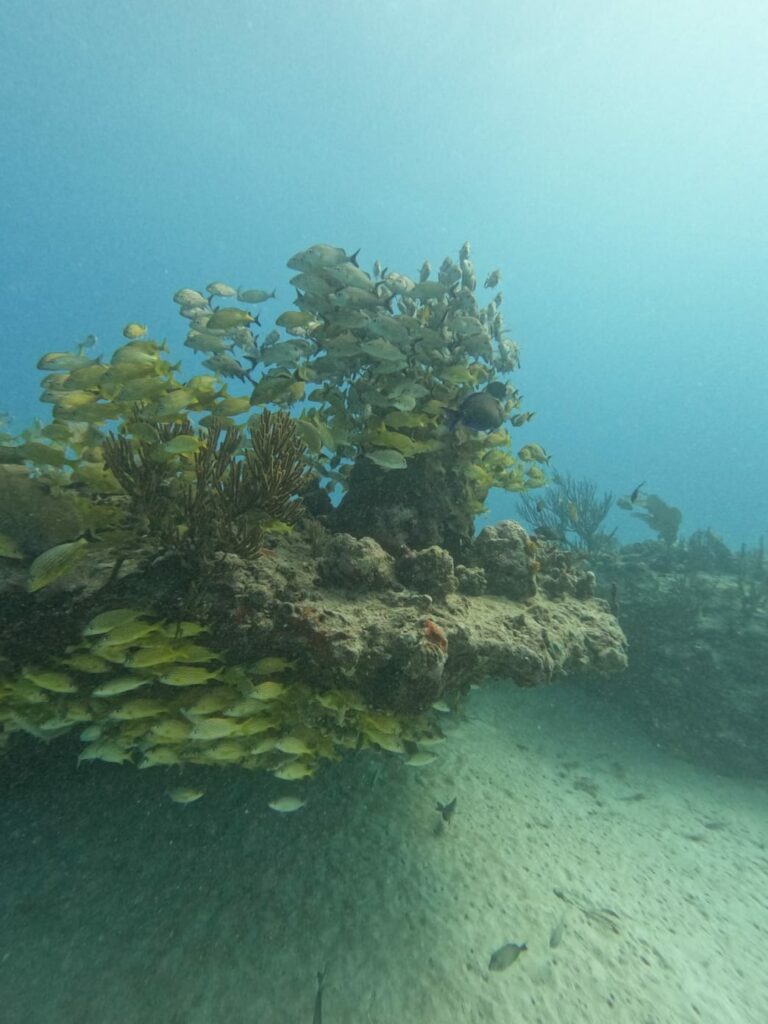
x: 404, y: 632
x: 697, y: 625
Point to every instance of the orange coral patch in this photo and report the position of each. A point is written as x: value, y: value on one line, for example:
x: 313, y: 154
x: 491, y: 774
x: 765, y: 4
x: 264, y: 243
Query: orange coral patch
x: 434, y: 634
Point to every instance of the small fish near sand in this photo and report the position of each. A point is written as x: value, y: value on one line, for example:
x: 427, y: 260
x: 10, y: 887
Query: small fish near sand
x: 446, y: 810
x: 556, y: 935
x: 506, y: 955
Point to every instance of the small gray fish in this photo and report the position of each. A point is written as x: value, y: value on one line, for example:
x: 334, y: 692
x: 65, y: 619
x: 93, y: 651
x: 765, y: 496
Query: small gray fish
x: 556, y: 935
x: 506, y: 955
x: 446, y: 810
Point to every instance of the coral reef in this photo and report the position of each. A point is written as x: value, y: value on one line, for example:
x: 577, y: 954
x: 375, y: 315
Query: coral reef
x: 696, y: 675
x: 431, y: 569
x: 166, y: 562
x: 504, y: 553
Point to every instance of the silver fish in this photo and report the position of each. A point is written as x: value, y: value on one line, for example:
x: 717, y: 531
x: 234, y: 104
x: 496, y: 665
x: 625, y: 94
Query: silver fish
x: 254, y: 295
x: 226, y: 365
x: 320, y: 256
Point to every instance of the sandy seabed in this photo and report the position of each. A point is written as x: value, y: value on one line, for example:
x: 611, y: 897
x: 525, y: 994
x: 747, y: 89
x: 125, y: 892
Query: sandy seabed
x: 118, y: 906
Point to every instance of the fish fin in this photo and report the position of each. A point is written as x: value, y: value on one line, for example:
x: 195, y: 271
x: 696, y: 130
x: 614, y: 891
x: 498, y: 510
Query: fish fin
x: 353, y: 258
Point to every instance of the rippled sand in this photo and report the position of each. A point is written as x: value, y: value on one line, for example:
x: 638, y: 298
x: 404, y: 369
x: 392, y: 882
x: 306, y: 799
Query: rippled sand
x: 117, y: 905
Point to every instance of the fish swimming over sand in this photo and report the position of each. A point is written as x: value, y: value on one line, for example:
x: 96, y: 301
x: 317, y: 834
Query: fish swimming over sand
x: 506, y: 956
x: 556, y: 935
x: 446, y: 810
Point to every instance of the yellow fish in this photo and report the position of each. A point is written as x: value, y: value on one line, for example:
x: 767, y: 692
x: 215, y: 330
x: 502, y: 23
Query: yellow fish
x: 104, y: 750
x: 420, y: 759
x: 181, y: 795
x: 159, y: 755
x: 382, y: 723
x: 207, y: 703
x: 89, y: 663
x: 55, y: 562
x: 292, y: 745
x: 293, y: 771
x: 385, y: 740
x: 269, y: 666
x: 286, y: 804
x: 227, y: 319
x: 187, y: 675
x: 183, y: 444
x: 257, y: 724
x: 214, y: 728
x: 116, y: 655
x: 126, y: 633
x: 141, y: 707
x: 264, y: 746
x: 144, y: 657
x: 195, y: 653
x: 121, y: 684
x: 109, y: 620
x: 268, y: 691
x: 233, y: 405
x: 134, y: 331
x: 54, y: 682
x: 77, y: 711
x: 170, y: 730
x: 228, y: 751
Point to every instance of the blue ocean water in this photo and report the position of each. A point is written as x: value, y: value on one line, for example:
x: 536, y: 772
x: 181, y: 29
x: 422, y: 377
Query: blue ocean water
x: 609, y: 159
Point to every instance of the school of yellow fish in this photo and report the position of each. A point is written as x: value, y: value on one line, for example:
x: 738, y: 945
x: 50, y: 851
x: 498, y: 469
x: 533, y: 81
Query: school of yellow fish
x: 400, y: 351
x: 148, y: 692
